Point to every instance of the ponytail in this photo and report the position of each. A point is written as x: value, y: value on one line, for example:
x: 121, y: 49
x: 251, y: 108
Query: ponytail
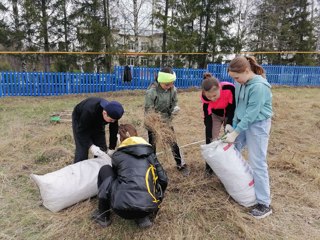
x: 255, y: 67
x: 241, y: 63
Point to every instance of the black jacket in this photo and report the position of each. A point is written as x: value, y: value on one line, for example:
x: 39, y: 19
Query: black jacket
x: 88, y: 115
x: 134, y: 189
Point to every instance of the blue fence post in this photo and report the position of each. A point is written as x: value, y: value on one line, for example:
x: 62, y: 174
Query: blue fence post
x: 1, y: 83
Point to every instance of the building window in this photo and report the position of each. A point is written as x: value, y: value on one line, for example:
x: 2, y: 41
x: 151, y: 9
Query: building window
x: 131, y: 46
x: 144, y: 62
x: 130, y: 61
x: 144, y: 46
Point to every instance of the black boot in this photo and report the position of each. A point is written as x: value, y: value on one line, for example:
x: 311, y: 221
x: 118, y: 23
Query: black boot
x: 208, y: 171
x: 143, y: 222
x: 102, y: 214
x: 102, y: 218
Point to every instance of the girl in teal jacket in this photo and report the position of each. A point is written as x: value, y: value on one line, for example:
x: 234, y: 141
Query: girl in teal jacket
x: 252, y: 123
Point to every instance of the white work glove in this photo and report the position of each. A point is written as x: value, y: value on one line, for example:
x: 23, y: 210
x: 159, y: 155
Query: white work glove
x: 176, y: 109
x: 96, y: 151
x: 230, y: 137
x: 228, y: 128
x: 110, y: 152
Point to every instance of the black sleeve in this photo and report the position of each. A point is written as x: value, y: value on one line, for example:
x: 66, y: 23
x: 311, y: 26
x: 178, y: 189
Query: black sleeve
x: 207, y: 123
x: 231, y: 107
x: 113, y: 131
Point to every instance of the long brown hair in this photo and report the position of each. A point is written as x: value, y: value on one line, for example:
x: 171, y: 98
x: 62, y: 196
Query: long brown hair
x: 240, y: 63
x: 209, y: 82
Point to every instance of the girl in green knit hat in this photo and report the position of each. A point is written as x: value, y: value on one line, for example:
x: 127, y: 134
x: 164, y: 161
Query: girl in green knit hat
x: 161, y: 97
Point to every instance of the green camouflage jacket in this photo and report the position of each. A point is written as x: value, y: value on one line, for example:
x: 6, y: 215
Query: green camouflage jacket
x: 161, y: 101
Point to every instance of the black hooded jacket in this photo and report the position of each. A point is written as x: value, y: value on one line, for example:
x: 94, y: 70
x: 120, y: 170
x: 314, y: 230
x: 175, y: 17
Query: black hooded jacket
x: 140, y: 180
x: 89, y: 119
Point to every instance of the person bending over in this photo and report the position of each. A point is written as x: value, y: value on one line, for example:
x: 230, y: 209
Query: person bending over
x: 89, y: 118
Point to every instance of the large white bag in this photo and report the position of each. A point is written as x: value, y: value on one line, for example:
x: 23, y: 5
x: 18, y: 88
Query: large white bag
x: 232, y: 170
x: 71, y: 184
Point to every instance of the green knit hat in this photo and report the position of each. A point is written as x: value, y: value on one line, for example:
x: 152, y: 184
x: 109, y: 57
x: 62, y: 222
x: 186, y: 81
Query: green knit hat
x: 164, y: 77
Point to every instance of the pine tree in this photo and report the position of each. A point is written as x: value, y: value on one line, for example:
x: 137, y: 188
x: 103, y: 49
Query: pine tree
x: 196, y: 26
x: 283, y: 26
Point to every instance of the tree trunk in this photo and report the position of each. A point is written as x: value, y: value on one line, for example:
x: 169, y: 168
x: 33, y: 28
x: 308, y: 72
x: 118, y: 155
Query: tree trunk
x: 164, y: 35
x: 135, y: 30
x: 66, y: 39
x: 107, y: 35
x: 199, y: 57
x: 44, y: 30
x: 65, y: 25
x: 205, y: 39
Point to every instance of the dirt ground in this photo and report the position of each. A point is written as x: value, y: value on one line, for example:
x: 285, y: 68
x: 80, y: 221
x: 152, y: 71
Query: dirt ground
x: 194, y: 207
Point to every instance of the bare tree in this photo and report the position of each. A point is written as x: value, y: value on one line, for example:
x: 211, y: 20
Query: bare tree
x: 242, y: 23
x: 135, y: 19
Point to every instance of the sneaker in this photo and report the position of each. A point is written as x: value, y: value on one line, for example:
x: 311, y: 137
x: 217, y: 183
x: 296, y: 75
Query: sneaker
x: 101, y: 218
x: 184, y: 169
x: 260, y: 211
x: 143, y: 222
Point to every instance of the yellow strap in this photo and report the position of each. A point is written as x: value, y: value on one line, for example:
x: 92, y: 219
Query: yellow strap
x: 152, y: 169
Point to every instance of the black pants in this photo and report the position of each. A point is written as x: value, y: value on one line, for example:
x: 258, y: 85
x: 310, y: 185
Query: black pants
x: 83, y: 140
x: 174, y: 147
x: 104, y: 194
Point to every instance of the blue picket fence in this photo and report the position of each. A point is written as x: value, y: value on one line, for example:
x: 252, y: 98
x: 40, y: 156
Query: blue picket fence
x: 51, y: 84
x: 277, y: 74
x: 48, y: 84
x: 142, y: 77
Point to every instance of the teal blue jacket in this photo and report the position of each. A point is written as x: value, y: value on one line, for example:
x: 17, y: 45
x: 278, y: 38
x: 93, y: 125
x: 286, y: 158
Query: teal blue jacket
x: 253, y: 103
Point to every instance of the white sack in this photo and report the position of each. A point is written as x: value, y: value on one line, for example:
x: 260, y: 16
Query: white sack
x: 71, y: 184
x: 232, y: 170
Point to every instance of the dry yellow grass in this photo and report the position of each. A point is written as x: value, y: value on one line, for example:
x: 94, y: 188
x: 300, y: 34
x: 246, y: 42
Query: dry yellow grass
x: 164, y: 137
x: 194, y: 207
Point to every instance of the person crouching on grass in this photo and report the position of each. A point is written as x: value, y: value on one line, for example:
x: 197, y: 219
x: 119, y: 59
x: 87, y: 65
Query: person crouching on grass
x: 135, y: 184
x: 162, y: 98
x: 252, y: 123
x: 218, y: 103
